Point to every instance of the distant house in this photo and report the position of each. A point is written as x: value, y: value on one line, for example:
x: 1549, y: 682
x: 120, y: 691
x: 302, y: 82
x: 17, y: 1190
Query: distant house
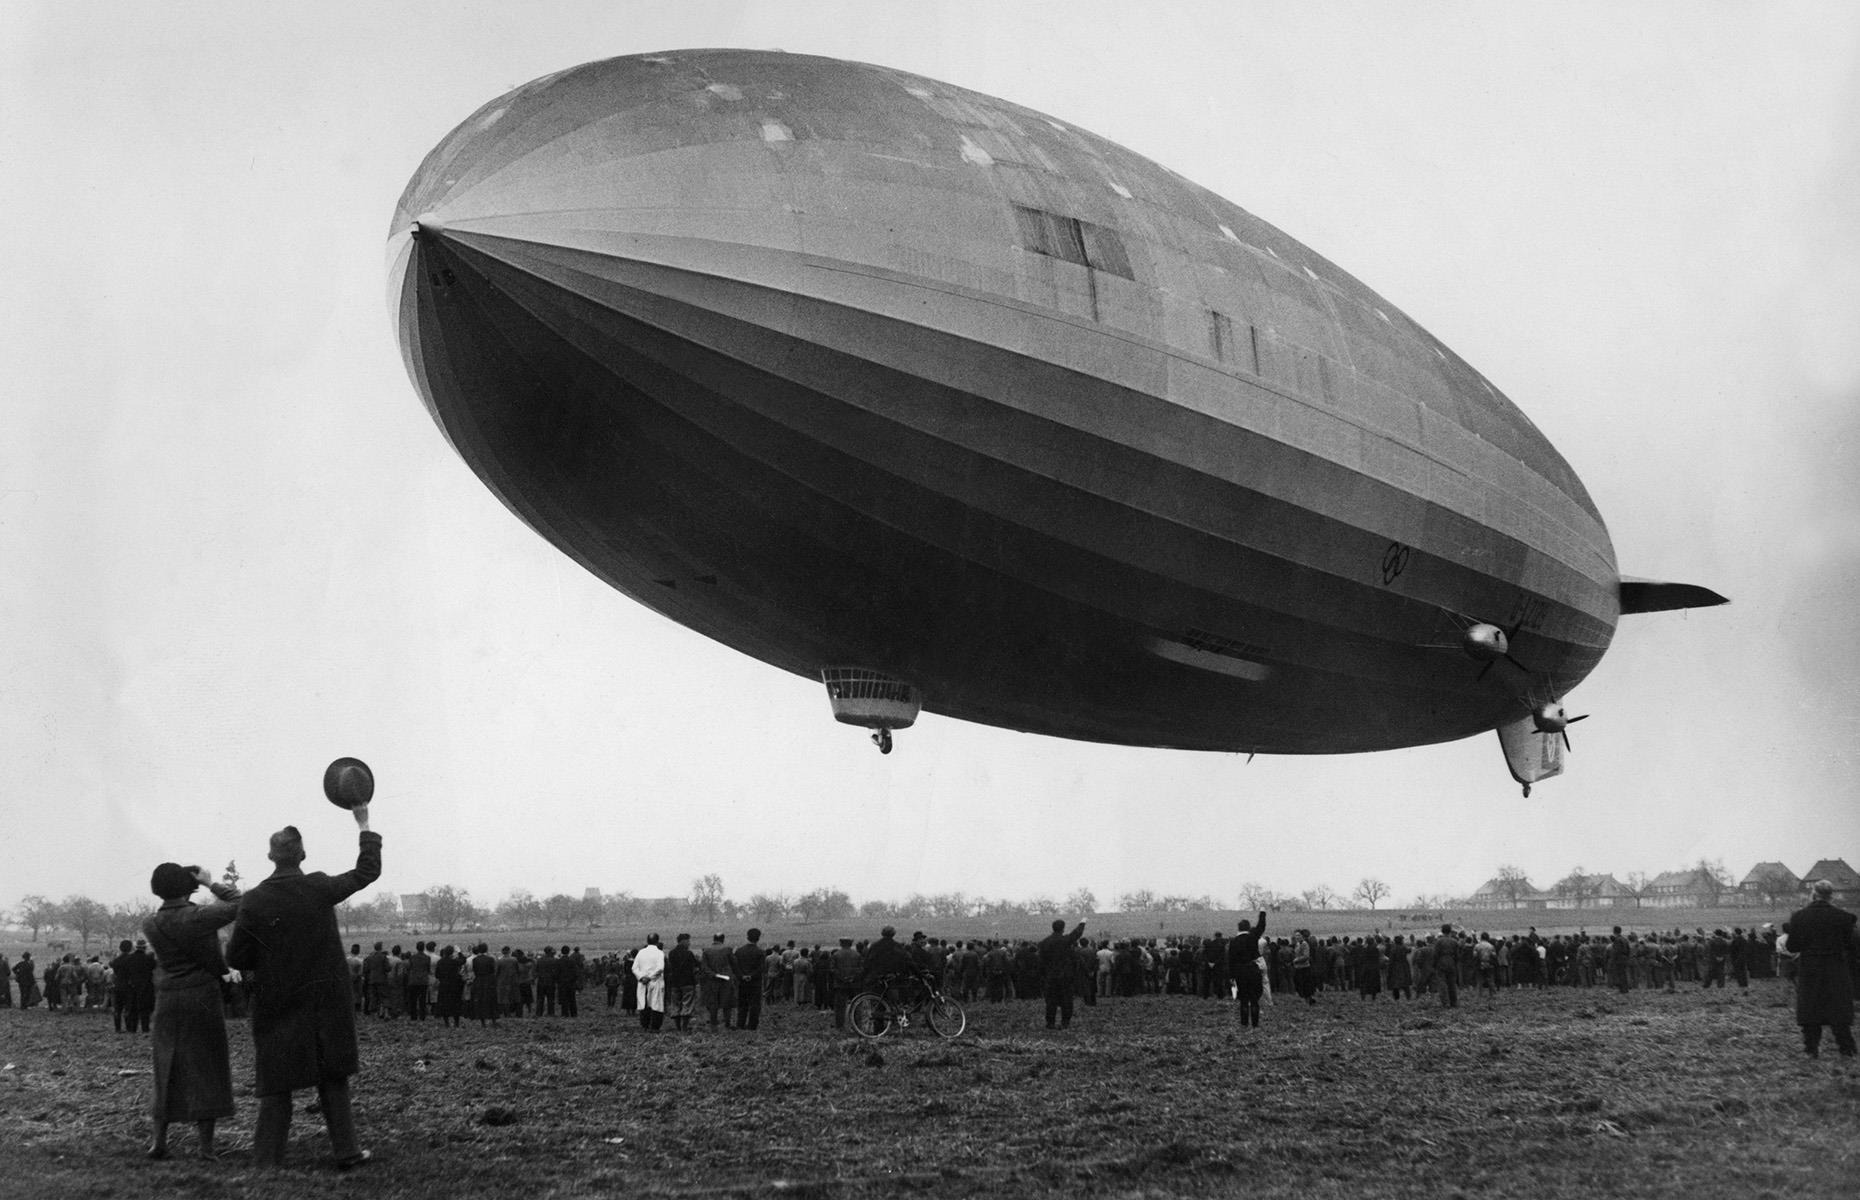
x: 1589, y: 891
x: 1768, y: 882
x: 1498, y: 892
x: 1836, y: 871
x: 1692, y: 888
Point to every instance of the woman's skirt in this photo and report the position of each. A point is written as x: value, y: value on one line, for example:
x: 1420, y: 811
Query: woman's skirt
x: 193, y: 1073
x: 484, y: 999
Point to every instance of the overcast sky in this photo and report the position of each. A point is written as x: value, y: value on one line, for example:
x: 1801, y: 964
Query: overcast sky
x: 234, y: 546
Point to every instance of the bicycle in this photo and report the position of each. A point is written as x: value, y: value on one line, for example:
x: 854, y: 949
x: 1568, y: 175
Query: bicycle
x: 898, y: 1001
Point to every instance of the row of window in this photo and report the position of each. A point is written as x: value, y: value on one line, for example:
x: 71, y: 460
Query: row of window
x: 1214, y: 643
x: 1083, y: 242
x: 1092, y: 245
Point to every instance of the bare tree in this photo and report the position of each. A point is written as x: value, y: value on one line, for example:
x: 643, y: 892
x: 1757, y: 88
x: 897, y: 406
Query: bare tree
x: 1637, y: 884
x: 765, y: 907
x: 1512, y: 884
x: 559, y: 907
x: 624, y: 908
x: 1320, y: 897
x: 835, y: 905
x: 125, y: 920
x: 520, y: 910
x: 37, y: 913
x: 375, y: 913
x: 948, y: 906
x: 84, y: 917
x: 706, y: 897
x: 448, y: 907
x: 1141, y: 900
x: 1371, y: 892
x: 1713, y: 879
x: 588, y: 911
x: 1082, y: 902
x: 1576, y: 887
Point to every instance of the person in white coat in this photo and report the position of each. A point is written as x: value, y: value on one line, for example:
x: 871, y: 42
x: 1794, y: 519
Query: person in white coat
x: 649, y: 970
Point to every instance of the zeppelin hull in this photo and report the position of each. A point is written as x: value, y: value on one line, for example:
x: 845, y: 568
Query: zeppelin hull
x: 1028, y: 500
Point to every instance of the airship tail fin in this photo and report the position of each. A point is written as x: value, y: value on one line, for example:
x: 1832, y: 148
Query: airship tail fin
x: 1652, y: 595
x: 1530, y: 754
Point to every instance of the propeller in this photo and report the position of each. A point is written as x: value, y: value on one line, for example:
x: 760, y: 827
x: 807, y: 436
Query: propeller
x: 1551, y: 718
x: 1484, y: 642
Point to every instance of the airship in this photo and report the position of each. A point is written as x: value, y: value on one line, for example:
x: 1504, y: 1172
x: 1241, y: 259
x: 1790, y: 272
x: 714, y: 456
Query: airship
x: 957, y: 407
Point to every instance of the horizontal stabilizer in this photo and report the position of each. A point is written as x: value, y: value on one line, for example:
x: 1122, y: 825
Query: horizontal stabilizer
x: 1530, y: 755
x: 1651, y: 595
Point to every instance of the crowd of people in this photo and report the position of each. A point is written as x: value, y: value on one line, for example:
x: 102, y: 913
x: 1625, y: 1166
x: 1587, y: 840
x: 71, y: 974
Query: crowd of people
x: 459, y: 982
x: 123, y: 985
x: 285, y: 967
x: 730, y: 984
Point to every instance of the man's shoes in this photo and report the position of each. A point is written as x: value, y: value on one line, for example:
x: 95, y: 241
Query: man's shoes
x: 354, y: 1160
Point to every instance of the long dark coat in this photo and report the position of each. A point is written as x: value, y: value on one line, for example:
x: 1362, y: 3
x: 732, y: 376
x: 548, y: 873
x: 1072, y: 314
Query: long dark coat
x: 28, y: 983
x: 450, y: 974
x: 303, y: 1021
x: 193, y: 1068
x: 1823, y: 936
x: 1243, y: 961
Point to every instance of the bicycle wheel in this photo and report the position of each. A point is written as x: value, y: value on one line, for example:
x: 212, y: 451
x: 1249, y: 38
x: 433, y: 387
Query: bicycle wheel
x: 946, y: 1017
x: 868, y: 1015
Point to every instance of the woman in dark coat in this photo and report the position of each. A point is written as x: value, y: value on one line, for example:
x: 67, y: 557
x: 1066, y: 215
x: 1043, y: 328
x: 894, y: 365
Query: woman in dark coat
x: 1401, y: 974
x: 193, y: 1073
x: 484, y: 985
x: 447, y: 971
x: 507, y: 972
x: 1368, y: 958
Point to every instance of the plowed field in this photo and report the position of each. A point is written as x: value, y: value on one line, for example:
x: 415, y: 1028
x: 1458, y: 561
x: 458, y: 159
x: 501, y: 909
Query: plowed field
x: 1559, y: 1093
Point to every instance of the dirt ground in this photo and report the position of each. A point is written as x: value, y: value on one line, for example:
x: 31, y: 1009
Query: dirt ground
x: 1535, y: 1094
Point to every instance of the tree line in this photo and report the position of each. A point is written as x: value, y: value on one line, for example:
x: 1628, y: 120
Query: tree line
x: 449, y: 908
x: 85, y: 918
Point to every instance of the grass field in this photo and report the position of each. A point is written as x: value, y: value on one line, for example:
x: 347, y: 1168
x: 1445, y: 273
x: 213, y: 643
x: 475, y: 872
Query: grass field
x: 1561, y: 1093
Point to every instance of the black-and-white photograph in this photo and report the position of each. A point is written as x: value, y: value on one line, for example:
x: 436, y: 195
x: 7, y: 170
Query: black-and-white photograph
x: 826, y: 598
